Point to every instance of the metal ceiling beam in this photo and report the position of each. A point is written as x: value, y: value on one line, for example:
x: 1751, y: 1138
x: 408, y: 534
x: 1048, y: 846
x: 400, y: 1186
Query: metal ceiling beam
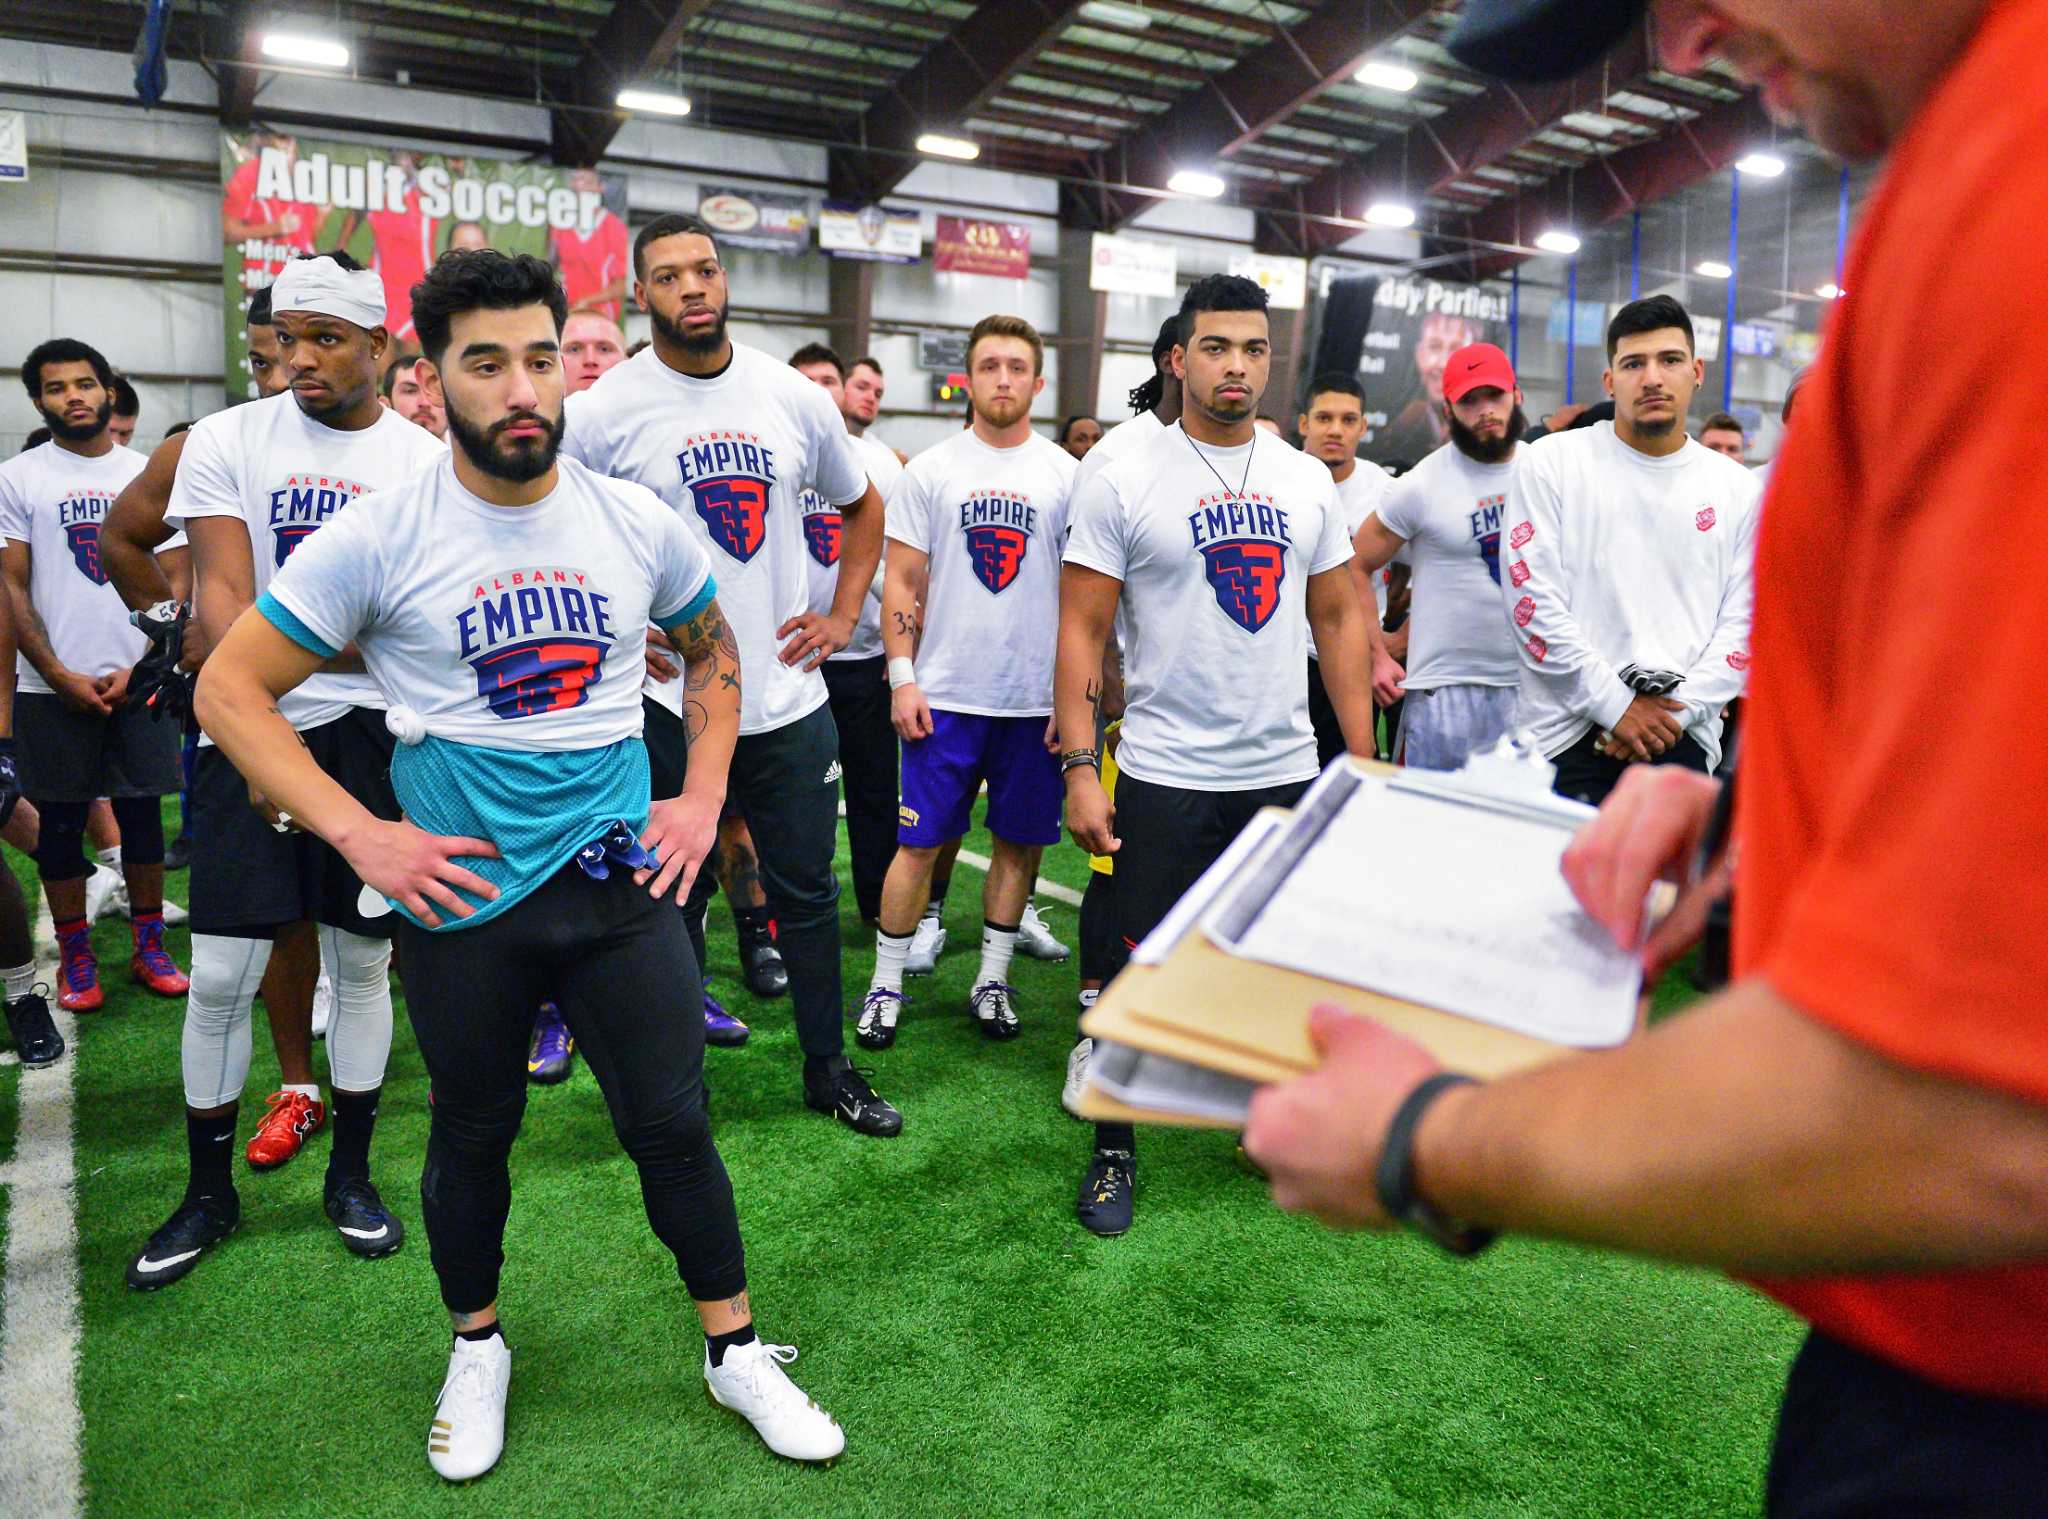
x: 1265, y: 87
x: 638, y: 35
x: 1438, y: 152
x: 1618, y: 184
x: 963, y: 71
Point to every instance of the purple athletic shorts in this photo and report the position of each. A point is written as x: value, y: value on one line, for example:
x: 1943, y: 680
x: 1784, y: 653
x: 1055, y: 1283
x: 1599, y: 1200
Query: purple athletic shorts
x: 941, y: 775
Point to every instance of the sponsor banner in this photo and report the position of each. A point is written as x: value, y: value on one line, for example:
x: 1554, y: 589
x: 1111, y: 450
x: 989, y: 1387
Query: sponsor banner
x: 13, y: 146
x: 758, y: 219
x: 1285, y: 280
x: 966, y: 246
x: 397, y: 210
x: 1133, y: 266
x: 887, y: 233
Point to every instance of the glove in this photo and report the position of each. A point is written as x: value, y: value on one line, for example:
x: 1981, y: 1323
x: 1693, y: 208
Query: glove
x: 158, y: 686
x: 10, y: 782
x: 1651, y: 682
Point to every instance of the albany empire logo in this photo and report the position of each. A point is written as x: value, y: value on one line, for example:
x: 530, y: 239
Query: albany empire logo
x: 302, y: 505
x: 730, y: 476
x: 536, y: 639
x: 1244, y: 542
x: 996, y: 526
x: 823, y: 525
x: 1485, y: 519
x: 80, y: 514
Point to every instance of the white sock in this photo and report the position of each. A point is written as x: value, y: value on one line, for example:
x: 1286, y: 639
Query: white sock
x: 215, y: 1044
x: 997, y: 945
x: 890, y: 953
x: 111, y: 857
x: 310, y: 1091
x: 21, y: 980
x: 359, y: 1025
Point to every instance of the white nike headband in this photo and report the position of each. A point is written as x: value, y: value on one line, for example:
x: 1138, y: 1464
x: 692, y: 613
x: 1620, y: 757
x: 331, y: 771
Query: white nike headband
x: 324, y: 288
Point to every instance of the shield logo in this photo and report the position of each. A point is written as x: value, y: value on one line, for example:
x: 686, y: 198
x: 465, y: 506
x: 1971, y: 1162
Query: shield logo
x: 541, y: 675
x: 1489, y: 550
x: 997, y: 553
x: 290, y: 535
x: 1705, y: 519
x: 735, y: 512
x: 1245, y: 574
x: 85, y: 550
x: 1523, y: 532
x: 870, y: 220
x: 1525, y: 609
x: 821, y: 536
x: 1518, y: 574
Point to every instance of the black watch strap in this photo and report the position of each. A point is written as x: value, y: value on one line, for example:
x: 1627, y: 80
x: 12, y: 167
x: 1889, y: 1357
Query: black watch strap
x: 1395, y: 1182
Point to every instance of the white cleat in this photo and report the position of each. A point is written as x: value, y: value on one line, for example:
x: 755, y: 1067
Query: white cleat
x: 1077, y: 1076
x: 753, y: 1384
x: 1035, y: 939
x: 106, y: 890
x: 173, y: 913
x: 468, y: 1432
x: 323, y: 1005
x: 927, y: 943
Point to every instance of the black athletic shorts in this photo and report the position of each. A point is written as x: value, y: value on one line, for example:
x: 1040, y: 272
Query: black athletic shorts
x: 65, y: 755
x: 1102, y: 947
x: 247, y: 878
x: 668, y: 754
x: 1170, y: 835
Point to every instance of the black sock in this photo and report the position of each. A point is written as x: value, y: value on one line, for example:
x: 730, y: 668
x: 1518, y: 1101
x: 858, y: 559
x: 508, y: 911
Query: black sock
x: 1116, y: 1136
x: 210, y: 1142
x: 355, y: 1119
x: 935, y: 899
x: 751, y: 922
x: 483, y: 1334
x: 719, y: 1344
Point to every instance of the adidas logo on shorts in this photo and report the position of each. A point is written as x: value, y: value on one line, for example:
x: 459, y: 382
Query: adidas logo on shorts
x: 832, y: 773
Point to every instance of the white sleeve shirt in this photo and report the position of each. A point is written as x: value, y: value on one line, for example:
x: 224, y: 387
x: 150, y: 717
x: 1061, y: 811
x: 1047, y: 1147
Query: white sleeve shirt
x: 823, y: 525
x: 56, y: 501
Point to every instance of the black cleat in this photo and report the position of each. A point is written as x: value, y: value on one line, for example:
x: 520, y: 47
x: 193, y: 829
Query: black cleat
x: 366, y: 1227
x: 994, y: 1010
x: 1104, y: 1206
x: 879, y: 1010
x: 197, y: 1226
x: 35, y: 1036
x: 843, y: 1092
x: 761, y: 966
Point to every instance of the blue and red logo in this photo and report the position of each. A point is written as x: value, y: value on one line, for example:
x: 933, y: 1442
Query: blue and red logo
x: 1245, y: 574
x: 289, y: 535
x: 85, y: 550
x: 541, y: 675
x: 735, y: 513
x: 997, y: 554
x: 821, y: 536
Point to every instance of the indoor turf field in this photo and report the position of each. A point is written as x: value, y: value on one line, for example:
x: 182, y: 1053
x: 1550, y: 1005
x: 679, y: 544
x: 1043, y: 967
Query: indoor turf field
x: 985, y: 1355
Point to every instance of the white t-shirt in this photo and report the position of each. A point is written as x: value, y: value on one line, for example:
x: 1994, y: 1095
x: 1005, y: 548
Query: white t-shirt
x: 1453, y: 513
x: 992, y: 522
x: 1358, y: 494
x: 286, y: 476
x: 1213, y: 612
x: 1613, y: 558
x: 821, y: 550
x: 1115, y: 443
x: 503, y: 627
x: 732, y: 455
x: 55, y: 502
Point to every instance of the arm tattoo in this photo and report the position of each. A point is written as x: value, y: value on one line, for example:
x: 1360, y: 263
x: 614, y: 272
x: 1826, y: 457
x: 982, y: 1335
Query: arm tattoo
x: 708, y: 647
x: 1094, y: 693
x: 695, y: 721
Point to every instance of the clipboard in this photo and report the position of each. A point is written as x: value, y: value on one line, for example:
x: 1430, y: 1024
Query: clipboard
x: 1185, y: 995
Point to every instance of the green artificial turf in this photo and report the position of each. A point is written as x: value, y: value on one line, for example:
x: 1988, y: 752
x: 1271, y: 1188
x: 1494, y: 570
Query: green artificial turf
x: 985, y: 1355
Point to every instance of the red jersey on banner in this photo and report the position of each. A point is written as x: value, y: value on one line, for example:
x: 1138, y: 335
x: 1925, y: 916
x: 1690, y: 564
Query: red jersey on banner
x: 404, y: 249
x: 262, y: 257
x: 591, y: 263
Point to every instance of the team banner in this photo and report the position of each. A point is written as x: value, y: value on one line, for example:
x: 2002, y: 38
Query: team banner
x: 1395, y: 334
x: 758, y: 219
x: 397, y: 210
x: 889, y: 234
x: 1124, y: 265
x: 966, y: 246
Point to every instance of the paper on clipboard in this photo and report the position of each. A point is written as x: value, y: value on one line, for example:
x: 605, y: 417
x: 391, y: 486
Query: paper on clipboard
x: 1482, y: 925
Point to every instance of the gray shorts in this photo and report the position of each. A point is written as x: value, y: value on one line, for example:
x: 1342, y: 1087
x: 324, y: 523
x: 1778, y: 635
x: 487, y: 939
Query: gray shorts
x: 70, y: 756
x: 1439, y: 728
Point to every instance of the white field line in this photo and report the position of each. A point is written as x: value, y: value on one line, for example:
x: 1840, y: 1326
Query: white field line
x: 41, y: 1428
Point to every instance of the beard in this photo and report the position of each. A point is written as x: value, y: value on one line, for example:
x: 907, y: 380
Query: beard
x: 1003, y: 413
x: 701, y: 343
x: 1656, y: 427
x: 517, y: 462
x: 78, y: 432
x: 1488, y: 450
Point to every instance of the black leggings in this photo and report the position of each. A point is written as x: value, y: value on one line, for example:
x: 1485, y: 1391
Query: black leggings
x: 60, y: 846
x: 619, y: 965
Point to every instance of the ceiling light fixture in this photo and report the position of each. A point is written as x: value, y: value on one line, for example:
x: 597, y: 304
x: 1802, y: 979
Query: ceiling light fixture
x: 1388, y: 76
x: 1196, y: 182
x: 1713, y: 269
x: 319, y: 52
x: 654, y: 102
x: 938, y: 145
x: 1556, y: 240
x: 1109, y: 13
x: 1390, y: 213
x: 1760, y: 165
x: 1830, y: 291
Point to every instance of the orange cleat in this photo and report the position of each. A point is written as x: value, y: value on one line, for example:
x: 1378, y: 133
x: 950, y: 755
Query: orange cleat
x: 152, y: 964
x: 292, y: 1119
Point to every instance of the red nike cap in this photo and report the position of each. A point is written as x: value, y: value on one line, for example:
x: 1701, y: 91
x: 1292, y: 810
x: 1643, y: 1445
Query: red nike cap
x: 1474, y: 366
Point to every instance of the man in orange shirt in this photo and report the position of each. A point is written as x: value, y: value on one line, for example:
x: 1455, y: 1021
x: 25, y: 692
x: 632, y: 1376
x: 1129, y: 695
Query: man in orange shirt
x: 1860, y: 1121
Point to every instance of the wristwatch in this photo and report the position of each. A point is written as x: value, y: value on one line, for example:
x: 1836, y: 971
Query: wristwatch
x: 1395, y: 1182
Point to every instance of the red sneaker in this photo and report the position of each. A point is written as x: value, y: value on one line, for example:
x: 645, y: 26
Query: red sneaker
x: 152, y: 964
x: 78, y: 972
x: 292, y: 1118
